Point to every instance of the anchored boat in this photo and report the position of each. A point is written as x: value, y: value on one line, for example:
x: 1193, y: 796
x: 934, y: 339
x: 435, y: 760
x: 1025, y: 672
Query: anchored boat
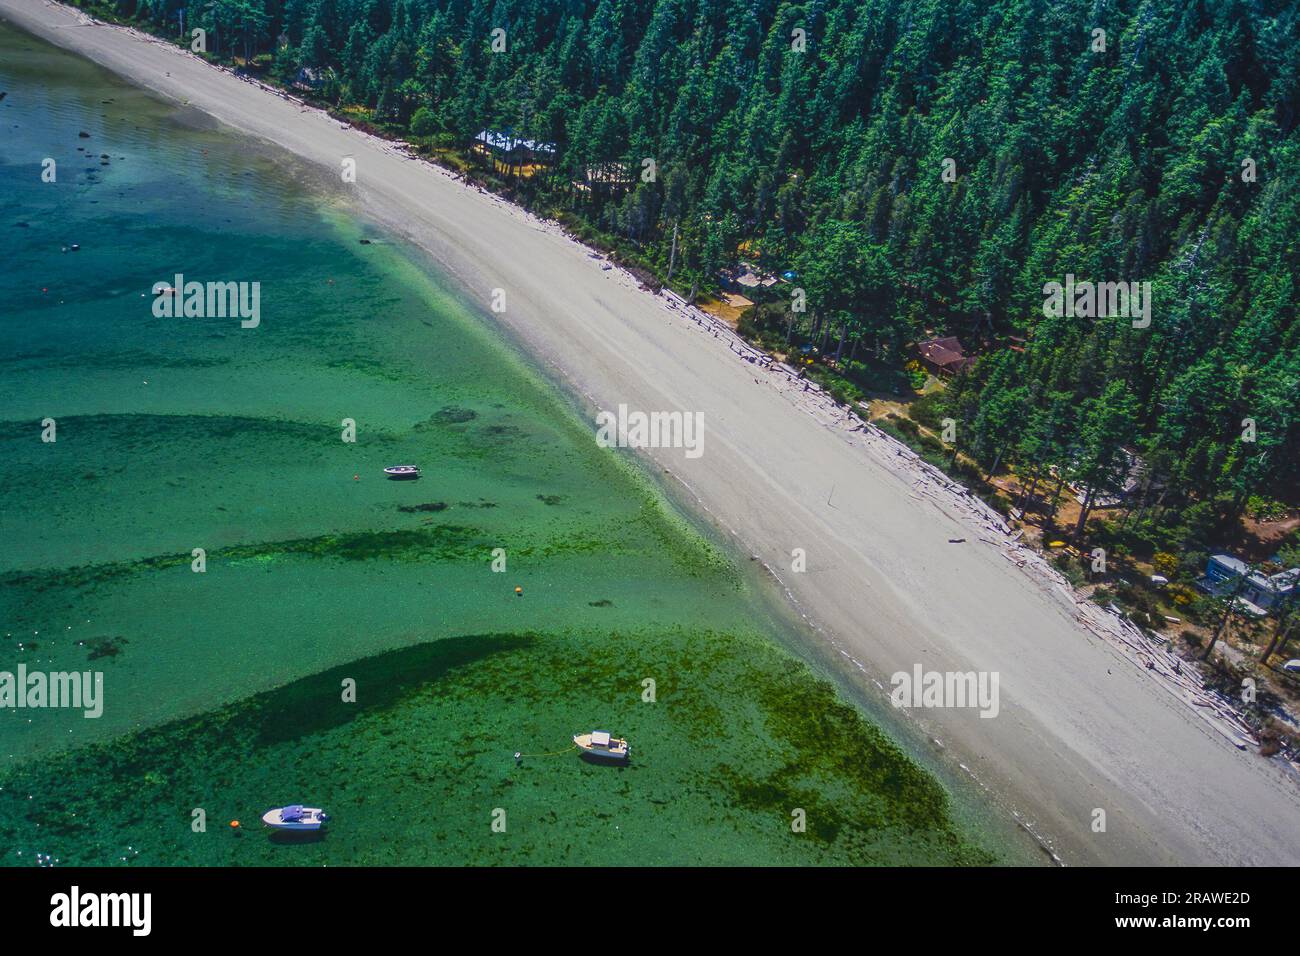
x: 602, y: 746
x: 295, y: 817
x: 402, y: 471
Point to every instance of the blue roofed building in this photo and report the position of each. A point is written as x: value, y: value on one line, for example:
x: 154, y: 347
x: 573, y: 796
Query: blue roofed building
x: 1260, y: 593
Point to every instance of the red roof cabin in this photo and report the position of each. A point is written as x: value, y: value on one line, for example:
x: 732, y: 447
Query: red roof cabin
x: 944, y: 356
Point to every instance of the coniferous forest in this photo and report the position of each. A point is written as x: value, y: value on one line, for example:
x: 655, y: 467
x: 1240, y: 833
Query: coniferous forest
x: 920, y: 168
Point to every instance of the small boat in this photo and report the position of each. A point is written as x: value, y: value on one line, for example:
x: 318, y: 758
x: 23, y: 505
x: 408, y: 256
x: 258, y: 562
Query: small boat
x: 295, y: 817
x: 602, y: 746
x: 402, y: 471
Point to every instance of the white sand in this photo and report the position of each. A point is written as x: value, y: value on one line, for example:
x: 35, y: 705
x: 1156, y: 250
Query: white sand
x: 1080, y: 727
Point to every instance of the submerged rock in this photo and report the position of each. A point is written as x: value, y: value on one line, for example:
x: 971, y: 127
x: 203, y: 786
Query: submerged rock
x: 452, y: 415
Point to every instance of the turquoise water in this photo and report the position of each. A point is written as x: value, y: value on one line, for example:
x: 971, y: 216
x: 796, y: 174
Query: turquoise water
x: 223, y: 689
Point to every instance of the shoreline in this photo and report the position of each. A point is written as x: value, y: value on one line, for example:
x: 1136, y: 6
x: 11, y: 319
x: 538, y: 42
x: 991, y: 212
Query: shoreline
x: 362, y: 578
x: 1081, y: 727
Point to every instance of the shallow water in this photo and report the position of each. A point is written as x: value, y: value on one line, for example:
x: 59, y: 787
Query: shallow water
x: 224, y: 689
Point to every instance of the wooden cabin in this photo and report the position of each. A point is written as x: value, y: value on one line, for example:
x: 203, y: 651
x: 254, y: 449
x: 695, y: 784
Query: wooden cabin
x: 512, y: 154
x: 607, y: 177
x: 944, y: 356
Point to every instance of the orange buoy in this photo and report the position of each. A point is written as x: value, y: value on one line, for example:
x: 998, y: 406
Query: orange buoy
x: 234, y: 824
x: 519, y: 591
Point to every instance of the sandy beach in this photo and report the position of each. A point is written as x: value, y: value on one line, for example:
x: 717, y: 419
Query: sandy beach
x: 1080, y: 728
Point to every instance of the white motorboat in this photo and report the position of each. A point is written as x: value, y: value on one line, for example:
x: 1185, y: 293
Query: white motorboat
x: 295, y: 817
x: 602, y: 746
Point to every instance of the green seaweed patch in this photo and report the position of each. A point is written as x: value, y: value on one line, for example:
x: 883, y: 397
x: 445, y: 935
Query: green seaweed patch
x: 257, y: 560
x: 76, y: 791
x: 83, y: 359
x: 313, y: 705
x: 686, y: 547
x: 573, y: 544
x: 779, y: 793
x: 104, y: 647
x: 441, y: 542
x: 803, y: 711
x: 437, y: 543
x: 89, y: 575
x: 432, y: 733
x: 453, y: 415
x: 371, y: 368
x: 138, y: 431
x: 502, y: 432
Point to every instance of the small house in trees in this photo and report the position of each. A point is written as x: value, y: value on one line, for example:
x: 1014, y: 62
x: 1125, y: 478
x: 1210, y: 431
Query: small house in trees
x: 501, y: 146
x: 515, y: 152
x: 944, y: 356
x: 744, y: 277
x: 531, y: 152
x: 311, y: 78
x: 1131, y: 477
x: 605, y: 177
x: 1259, y: 594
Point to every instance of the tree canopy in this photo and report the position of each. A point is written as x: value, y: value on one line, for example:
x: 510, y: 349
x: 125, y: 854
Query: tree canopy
x: 923, y: 165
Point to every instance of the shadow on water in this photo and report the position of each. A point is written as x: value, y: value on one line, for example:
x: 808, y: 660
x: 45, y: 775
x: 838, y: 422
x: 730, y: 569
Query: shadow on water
x: 93, y: 775
x: 601, y: 762
x: 297, y: 837
x: 315, y: 704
